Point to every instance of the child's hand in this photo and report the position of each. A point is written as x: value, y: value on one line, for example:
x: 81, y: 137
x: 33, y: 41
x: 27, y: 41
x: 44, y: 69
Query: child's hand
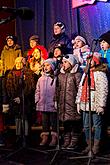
x: 78, y: 108
x: 100, y: 110
x: 55, y: 104
x: 17, y: 100
x: 5, y: 108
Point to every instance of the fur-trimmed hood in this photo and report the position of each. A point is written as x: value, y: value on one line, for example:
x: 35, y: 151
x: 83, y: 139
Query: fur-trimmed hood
x: 15, y: 47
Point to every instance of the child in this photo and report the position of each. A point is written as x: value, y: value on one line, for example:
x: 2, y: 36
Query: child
x: 105, y: 48
x: 10, y: 52
x: 36, y: 55
x: 4, y: 107
x: 105, y: 53
x: 59, y: 37
x: 20, y: 92
x: 44, y: 99
x: 98, y: 95
x: 68, y: 81
x: 80, y: 50
x: 58, y: 54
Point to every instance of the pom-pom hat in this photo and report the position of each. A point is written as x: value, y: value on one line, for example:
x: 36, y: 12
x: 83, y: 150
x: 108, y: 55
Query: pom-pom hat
x: 80, y: 38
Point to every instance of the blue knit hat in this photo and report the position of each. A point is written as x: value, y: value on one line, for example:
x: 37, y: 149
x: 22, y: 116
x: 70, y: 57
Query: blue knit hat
x: 52, y: 62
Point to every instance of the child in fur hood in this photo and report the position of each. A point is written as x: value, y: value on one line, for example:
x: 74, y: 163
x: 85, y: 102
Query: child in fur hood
x: 67, y: 87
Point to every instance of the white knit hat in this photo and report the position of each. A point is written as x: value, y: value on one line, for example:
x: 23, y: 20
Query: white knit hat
x: 80, y: 38
x: 70, y: 58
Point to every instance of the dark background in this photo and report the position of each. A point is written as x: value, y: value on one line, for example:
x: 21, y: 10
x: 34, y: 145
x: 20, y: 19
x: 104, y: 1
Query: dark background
x: 89, y: 21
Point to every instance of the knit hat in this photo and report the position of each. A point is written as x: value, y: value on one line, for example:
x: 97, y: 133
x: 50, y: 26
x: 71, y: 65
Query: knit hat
x: 14, y: 38
x: 70, y: 58
x: 61, y: 25
x: 80, y: 38
x: 34, y: 37
x: 105, y: 37
x: 52, y: 62
x: 96, y: 57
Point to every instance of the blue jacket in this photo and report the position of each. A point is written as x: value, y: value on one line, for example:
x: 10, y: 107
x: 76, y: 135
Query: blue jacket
x: 107, y: 58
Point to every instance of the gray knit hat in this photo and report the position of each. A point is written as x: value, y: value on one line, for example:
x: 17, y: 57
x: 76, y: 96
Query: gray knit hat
x: 34, y: 37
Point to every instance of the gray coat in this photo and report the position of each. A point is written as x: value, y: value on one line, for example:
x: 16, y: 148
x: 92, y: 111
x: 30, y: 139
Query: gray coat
x: 66, y: 94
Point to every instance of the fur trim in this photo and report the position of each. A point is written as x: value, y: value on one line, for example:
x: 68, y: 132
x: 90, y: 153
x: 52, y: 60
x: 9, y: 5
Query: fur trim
x: 44, y: 133
x: 54, y: 133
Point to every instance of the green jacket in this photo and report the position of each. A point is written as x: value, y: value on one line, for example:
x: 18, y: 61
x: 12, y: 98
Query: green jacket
x: 9, y: 55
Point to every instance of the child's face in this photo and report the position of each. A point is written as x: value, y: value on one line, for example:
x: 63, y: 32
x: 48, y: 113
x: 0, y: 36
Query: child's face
x: 33, y: 43
x: 104, y: 45
x: 36, y: 54
x: 19, y: 64
x: 57, y: 29
x: 10, y: 42
x: 78, y: 44
x: 47, y: 67
x: 57, y: 52
x: 66, y: 65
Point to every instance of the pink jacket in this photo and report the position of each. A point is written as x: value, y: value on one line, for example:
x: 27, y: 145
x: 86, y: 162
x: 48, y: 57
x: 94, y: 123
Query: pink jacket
x: 45, y: 94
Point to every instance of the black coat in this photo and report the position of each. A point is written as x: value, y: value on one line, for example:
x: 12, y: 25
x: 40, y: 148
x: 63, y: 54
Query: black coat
x: 62, y: 39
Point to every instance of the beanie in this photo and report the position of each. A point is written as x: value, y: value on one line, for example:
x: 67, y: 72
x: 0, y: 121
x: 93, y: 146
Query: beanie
x: 34, y: 37
x: 61, y: 25
x: 12, y: 37
x: 70, y: 58
x: 105, y: 37
x: 80, y: 38
x: 52, y: 62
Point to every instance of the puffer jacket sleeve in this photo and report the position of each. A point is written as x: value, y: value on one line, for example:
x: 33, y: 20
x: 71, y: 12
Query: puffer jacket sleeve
x: 102, y: 90
x: 78, y: 79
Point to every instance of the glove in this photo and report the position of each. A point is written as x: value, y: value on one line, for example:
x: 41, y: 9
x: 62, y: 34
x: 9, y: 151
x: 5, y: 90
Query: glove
x: 5, y: 108
x: 55, y: 104
x: 78, y: 108
x: 100, y: 110
x: 17, y: 100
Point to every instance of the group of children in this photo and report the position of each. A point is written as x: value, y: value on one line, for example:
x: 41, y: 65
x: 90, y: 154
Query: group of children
x: 66, y: 87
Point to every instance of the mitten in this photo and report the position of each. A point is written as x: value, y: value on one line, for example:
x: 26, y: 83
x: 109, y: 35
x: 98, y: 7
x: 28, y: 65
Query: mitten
x: 5, y: 108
